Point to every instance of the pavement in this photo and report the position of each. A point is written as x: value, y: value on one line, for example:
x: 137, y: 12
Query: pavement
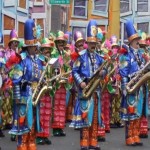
x: 115, y: 140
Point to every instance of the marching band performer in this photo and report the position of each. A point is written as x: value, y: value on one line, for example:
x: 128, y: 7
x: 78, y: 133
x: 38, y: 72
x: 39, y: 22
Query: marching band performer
x: 59, y: 100
x: 101, y: 128
x: 83, y: 69
x: 12, y: 58
x: 115, y: 120
x: 70, y: 97
x: 46, y: 100
x: 144, y: 118
x: 76, y: 122
x: 130, y: 64
x: 25, y: 77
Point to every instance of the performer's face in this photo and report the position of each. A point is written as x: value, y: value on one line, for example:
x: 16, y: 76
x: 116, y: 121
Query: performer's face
x: 135, y: 43
x: 115, y: 49
x: 46, y: 52
x: 80, y: 45
x: 14, y: 45
x: 91, y: 46
x: 60, y: 45
x: 32, y: 50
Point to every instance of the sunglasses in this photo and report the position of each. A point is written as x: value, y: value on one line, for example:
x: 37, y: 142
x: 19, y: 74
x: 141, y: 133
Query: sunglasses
x: 60, y: 42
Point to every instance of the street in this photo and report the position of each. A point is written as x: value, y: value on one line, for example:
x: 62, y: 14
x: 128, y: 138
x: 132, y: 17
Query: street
x: 114, y: 141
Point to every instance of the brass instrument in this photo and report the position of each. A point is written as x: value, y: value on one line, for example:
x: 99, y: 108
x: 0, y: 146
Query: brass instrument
x: 94, y: 82
x: 37, y: 88
x: 47, y: 88
x: 139, y: 79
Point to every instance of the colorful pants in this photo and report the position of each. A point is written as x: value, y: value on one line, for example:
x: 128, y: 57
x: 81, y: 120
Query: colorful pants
x: 88, y: 135
x: 45, y: 116
x: 105, y: 106
x: 59, y: 109
x: 115, y: 109
x: 132, y: 129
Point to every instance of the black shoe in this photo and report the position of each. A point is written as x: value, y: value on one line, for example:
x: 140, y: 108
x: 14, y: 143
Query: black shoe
x: 95, y: 147
x: 120, y: 125
x: 113, y: 125
x: 13, y: 137
x: 56, y: 132
x: 62, y: 132
x: 139, y: 144
x: 143, y: 136
x: 47, y: 141
x: 84, y: 148
x: 40, y: 141
x: 101, y: 139
x: 8, y: 127
x: 1, y: 134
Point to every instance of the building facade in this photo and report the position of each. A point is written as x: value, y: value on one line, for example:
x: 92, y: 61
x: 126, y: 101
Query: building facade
x: 82, y: 11
x: 139, y: 11
x: 14, y: 13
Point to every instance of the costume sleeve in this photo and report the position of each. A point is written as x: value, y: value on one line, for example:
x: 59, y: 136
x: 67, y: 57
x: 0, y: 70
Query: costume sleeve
x: 16, y: 75
x: 76, y: 72
x: 124, y: 66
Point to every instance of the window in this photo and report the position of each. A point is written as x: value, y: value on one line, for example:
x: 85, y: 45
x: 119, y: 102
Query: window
x: 21, y: 29
x: 142, y: 5
x: 125, y: 6
x: 143, y: 27
x: 22, y: 4
x: 9, y: 23
x: 80, y: 8
x: 100, y: 5
x: 81, y: 29
x: 9, y: 3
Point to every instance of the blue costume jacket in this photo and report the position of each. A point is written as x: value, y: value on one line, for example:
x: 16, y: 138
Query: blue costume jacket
x: 131, y: 63
x: 82, y: 71
x: 23, y: 76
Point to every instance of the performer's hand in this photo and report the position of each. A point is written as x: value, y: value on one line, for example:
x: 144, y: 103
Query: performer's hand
x: 82, y: 85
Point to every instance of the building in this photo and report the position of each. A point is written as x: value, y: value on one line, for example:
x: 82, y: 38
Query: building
x: 139, y: 11
x: 81, y: 11
x: 14, y: 13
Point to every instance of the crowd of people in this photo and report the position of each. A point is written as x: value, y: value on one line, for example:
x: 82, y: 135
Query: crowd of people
x: 95, y: 84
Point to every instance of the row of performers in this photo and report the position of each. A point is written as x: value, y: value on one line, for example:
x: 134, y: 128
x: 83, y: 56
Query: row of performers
x: 43, y: 84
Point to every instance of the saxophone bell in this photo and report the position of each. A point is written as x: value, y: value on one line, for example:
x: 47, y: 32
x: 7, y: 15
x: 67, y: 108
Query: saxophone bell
x: 139, y: 79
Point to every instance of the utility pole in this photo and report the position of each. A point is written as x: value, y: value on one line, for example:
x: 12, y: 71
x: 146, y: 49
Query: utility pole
x: 114, y: 18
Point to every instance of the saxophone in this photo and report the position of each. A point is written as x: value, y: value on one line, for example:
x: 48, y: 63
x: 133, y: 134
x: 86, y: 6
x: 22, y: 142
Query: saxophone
x: 37, y: 88
x: 93, y: 82
x: 139, y: 79
x: 47, y: 88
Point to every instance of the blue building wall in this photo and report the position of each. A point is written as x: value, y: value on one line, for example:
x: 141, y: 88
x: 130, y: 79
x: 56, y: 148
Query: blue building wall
x: 1, y: 16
